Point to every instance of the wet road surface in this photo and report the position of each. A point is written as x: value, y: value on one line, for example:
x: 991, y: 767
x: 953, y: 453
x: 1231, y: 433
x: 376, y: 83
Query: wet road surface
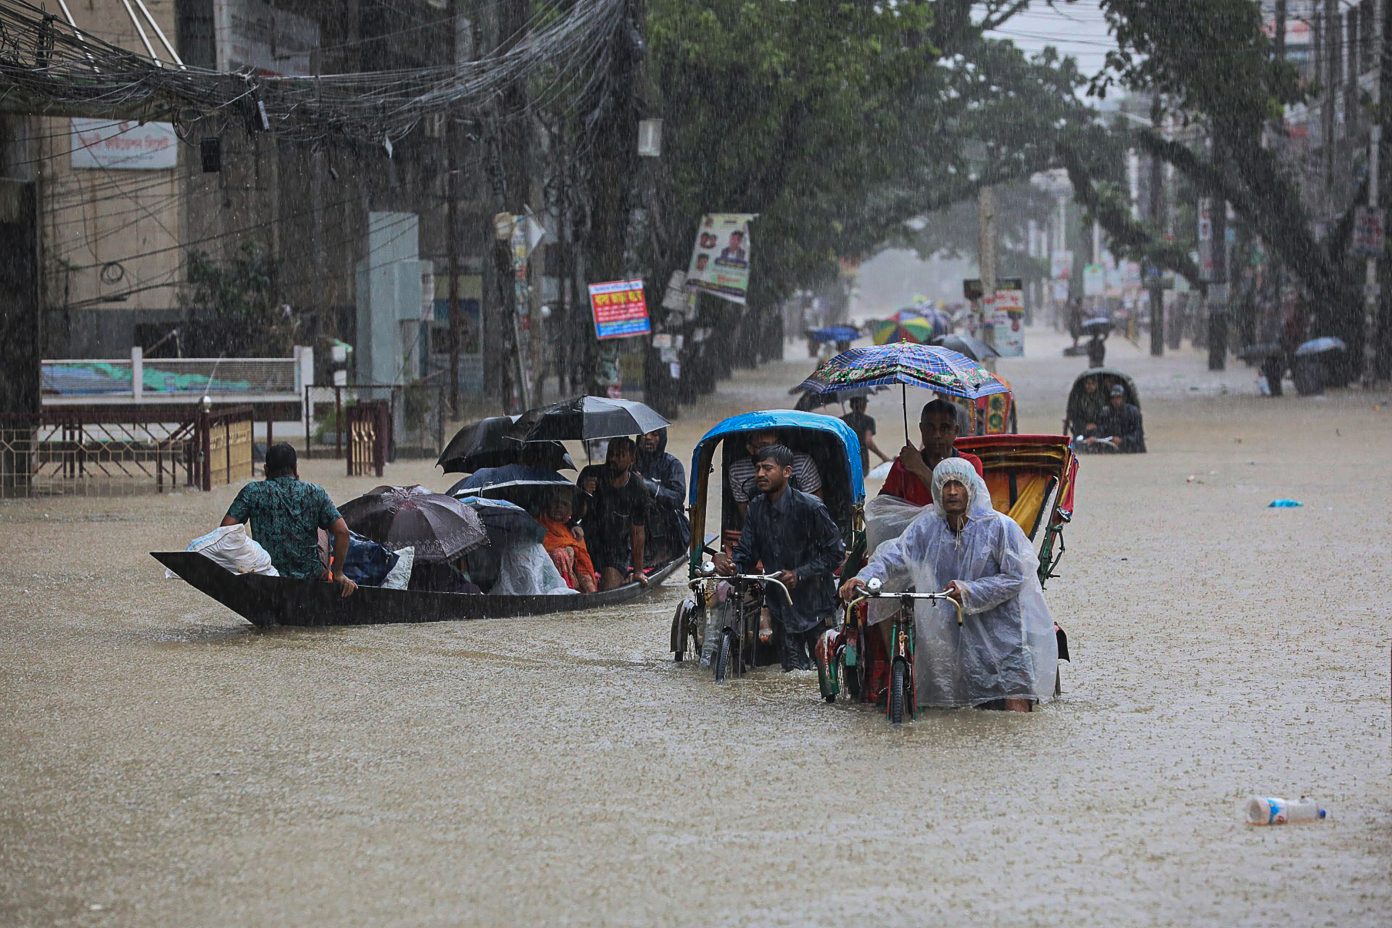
x: 165, y: 763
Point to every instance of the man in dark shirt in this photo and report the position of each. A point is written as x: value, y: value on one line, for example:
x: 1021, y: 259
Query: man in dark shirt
x: 864, y: 427
x: 792, y: 534
x: 286, y: 514
x: 615, y: 516
x: 1119, y: 426
x: 1085, y: 407
x: 912, y: 473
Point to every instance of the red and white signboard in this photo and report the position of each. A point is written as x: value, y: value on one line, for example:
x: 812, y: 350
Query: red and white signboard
x: 620, y: 309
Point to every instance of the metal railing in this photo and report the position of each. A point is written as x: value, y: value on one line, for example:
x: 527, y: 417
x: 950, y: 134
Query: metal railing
x: 137, y: 379
x: 112, y: 450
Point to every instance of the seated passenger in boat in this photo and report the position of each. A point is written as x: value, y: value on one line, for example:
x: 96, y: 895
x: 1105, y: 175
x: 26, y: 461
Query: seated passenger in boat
x: 286, y: 514
x: 615, y: 516
x: 669, y: 530
x: 566, y: 544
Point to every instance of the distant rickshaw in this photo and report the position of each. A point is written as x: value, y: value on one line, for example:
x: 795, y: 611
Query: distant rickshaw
x: 719, y: 620
x: 994, y: 414
x: 1082, y: 403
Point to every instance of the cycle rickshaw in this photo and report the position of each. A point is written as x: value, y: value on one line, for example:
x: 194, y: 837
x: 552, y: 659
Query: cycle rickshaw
x: 721, y: 615
x: 1031, y: 479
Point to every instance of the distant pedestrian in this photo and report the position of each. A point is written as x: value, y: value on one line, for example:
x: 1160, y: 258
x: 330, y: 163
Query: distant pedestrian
x: 864, y: 427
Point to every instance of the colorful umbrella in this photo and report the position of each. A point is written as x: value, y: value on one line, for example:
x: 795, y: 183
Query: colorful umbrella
x: 941, y: 370
x: 917, y: 330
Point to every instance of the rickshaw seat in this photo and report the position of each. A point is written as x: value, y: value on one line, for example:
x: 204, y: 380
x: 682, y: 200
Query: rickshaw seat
x: 1020, y: 496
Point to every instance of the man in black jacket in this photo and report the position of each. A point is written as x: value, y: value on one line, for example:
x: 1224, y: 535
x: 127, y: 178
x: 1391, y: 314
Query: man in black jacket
x: 669, y: 530
x: 791, y: 534
x: 1119, y: 426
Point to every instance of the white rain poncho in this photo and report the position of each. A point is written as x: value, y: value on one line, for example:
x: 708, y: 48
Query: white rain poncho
x: 525, y: 569
x: 1006, y: 647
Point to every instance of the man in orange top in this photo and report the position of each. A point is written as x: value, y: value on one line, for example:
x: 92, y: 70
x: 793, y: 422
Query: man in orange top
x: 912, y: 474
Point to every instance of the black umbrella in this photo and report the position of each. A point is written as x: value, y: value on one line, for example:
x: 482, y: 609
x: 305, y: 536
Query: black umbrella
x: 585, y: 418
x: 439, y: 527
x: 1097, y: 325
x: 485, y: 444
x: 968, y: 345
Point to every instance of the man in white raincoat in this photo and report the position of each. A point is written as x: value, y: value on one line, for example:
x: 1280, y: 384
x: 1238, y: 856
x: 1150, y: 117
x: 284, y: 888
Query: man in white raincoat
x: 1005, y: 655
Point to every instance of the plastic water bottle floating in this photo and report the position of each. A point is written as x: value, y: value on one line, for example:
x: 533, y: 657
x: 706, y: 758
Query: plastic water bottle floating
x: 1272, y: 810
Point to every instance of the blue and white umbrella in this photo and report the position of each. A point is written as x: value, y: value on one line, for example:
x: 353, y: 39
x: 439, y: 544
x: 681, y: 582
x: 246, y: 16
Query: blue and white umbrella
x: 930, y: 367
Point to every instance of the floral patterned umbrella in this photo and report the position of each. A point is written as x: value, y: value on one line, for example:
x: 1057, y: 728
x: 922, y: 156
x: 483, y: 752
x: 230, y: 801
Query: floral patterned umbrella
x: 941, y: 370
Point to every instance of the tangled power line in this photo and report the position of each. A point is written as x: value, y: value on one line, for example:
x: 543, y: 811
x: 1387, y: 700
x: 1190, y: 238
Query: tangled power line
x: 49, y: 66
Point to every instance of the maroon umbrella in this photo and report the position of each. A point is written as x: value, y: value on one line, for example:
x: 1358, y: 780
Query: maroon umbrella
x: 439, y: 527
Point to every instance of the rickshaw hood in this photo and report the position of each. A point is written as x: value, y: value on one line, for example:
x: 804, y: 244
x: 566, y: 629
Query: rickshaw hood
x: 784, y: 419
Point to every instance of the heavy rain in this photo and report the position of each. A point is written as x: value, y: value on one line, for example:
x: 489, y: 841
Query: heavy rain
x: 427, y: 326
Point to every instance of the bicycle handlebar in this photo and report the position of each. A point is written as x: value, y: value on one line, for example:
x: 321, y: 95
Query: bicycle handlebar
x: 863, y: 594
x: 758, y: 578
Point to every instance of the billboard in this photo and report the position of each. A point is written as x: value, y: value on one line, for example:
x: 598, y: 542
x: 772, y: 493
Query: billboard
x: 620, y: 309
x: 720, y: 257
x: 123, y: 145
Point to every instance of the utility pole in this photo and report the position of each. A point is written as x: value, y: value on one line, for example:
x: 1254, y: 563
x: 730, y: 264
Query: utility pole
x: 1373, y: 330
x: 1157, y: 212
x: 1331, y: 96
x: 986, y: 220
x: 456, y: 315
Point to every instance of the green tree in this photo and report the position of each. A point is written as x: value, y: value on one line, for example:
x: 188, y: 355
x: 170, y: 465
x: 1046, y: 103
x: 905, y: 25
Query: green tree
x: 1218, y: 69
x: 240, y: 315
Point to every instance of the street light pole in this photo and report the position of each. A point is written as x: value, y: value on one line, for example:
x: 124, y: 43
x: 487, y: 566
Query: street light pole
x: 1157, y: 211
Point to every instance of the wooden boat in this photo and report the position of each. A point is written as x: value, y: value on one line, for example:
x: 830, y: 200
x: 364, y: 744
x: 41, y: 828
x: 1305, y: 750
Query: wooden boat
x: 270, y: 601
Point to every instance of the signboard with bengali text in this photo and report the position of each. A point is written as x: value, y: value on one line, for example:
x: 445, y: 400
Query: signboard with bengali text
x: 124, y: 145
x: 620, y: 309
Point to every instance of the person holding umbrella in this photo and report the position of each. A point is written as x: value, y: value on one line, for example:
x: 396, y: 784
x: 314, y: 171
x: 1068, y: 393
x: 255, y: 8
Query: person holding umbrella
x: 911, y: 476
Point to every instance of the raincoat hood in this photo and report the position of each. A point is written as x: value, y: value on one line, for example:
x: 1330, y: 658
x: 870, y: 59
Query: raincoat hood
x: 978, y: 497
x: 647, y: 456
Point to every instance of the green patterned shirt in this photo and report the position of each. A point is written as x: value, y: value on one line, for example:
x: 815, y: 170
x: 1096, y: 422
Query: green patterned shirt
x: 285, y: 515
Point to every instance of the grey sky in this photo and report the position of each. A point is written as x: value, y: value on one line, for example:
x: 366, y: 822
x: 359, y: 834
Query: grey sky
x: 1075, y: 29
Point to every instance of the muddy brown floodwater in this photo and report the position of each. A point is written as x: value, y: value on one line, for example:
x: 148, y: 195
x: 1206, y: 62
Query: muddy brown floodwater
x: 163, y: 763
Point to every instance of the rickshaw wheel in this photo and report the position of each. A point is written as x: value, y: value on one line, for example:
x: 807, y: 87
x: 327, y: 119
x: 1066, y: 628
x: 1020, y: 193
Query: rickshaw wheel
x: 722, y: 656
x: 897, y: 692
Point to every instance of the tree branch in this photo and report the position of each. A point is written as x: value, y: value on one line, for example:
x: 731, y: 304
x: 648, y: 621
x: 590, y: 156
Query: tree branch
x: 1123, y: 230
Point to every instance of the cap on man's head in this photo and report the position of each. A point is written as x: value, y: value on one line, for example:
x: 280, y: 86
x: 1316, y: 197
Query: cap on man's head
x: 1118, y: 390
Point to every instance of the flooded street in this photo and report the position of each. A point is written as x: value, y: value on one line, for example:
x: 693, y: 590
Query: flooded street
x: 167, y: 764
